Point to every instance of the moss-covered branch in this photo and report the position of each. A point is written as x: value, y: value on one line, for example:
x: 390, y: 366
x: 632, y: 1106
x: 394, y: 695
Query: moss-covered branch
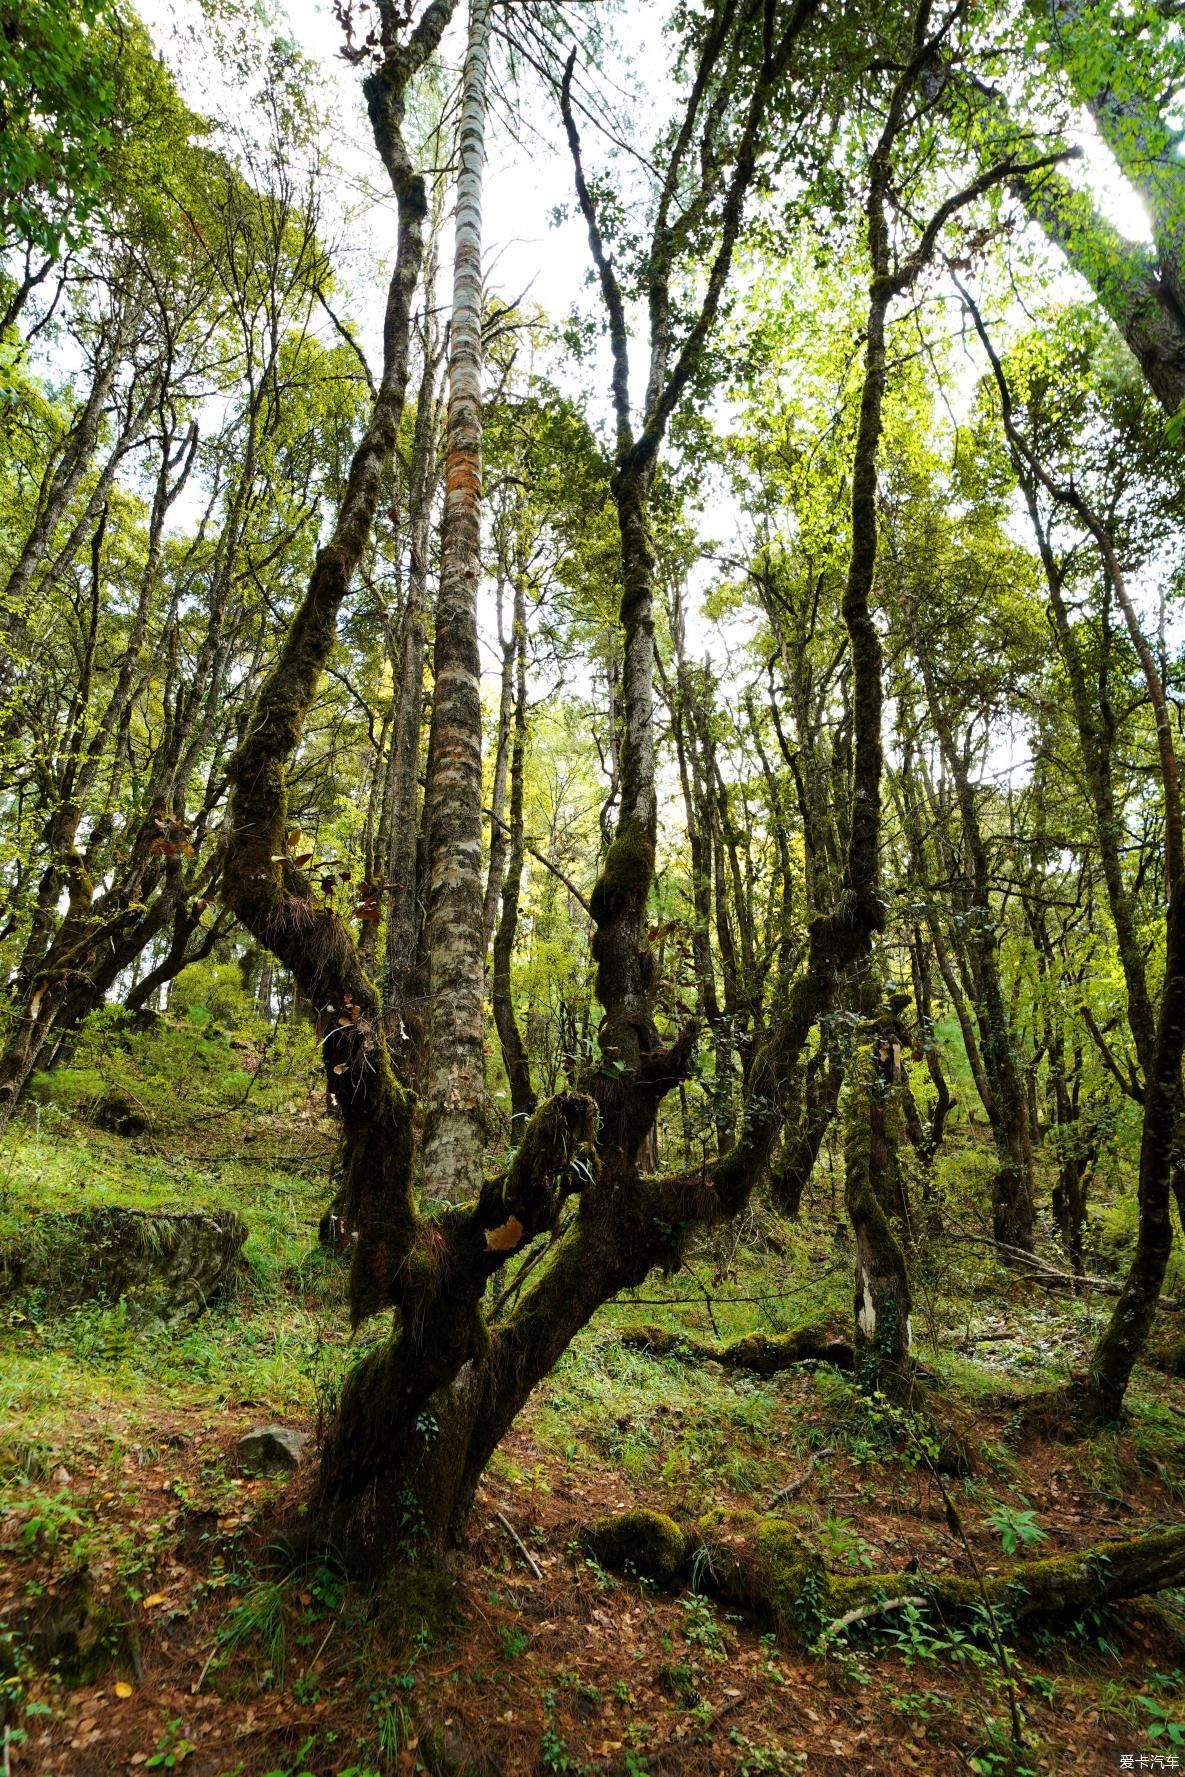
x: 768, y: 1567
x: 762, y: 1353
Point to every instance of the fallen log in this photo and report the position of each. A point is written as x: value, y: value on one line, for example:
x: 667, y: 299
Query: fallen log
x: 764, y: 1354
x: 1039, y: 1271
x: 769, y: 1568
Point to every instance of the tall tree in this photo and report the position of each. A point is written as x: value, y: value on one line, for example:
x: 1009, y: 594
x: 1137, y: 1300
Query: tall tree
x: 455, y: 1114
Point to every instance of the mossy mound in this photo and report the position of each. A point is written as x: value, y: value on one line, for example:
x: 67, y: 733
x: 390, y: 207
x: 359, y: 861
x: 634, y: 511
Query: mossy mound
x: 420, y: 1601
x: 1168, y: 1356
x: 654, y: 1340
x: 642, y: 1542
x: 75, y: 1635
x: 167, y: 1267
x: 120, y: 1114
x: 760, y: 1354
x: 445, y: 1752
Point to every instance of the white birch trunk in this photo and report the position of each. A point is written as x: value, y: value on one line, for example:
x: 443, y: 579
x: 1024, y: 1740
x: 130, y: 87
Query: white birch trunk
x: 454, y: 1136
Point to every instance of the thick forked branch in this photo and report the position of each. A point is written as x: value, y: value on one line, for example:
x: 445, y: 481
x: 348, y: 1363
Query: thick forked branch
x: 514, y: 1053
x: 266, y: 892
x: 665, y: 392
x: 625, y: 970
x: 610, y: 288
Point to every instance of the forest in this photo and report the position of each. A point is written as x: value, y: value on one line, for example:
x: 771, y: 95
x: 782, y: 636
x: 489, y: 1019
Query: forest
x: 592, y: 887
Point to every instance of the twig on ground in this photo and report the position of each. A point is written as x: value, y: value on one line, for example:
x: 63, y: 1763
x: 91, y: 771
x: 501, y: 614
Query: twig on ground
x: 519, y: 1544
x: 325, y: 1643
x: 1037, y: 1270
x: 793, y: 1487
x: 864, y: 1611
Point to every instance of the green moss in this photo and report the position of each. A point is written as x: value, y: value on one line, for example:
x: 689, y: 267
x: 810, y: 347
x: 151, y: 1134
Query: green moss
x: 625, y: 875
x: 641, y: 1541
x: 76, y: 1636
x: 1169, y: 1356
x: 792, y: 1566
x: 762, y: 1354
x: 767, y: 1354
x: 657, y: 1341
x: 420, y: 1601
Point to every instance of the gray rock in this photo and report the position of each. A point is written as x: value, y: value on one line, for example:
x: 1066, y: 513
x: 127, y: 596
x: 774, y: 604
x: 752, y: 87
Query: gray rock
x: 271, y: 1450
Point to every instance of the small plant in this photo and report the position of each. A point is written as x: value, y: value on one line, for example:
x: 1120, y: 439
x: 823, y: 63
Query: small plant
x: 843, y: 1545
x: 515, y: 1641
x: 555, y: 1755
x: 259, y: 1618
x: 395, y: 1728
x: 1168, y: 1724
x: 1016, y: 1528
x: 701, y: 1627
x: 50, y: 1517
x: 765, y: 1761
x: 172, y: 1749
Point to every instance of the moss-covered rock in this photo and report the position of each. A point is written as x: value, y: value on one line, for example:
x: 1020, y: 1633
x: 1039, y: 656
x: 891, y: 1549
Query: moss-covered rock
x: 120, y: 1114
x: 1168, y: 1356
x: 643, y: 1542
x: 75, y: 1634
x: 167, y: 1267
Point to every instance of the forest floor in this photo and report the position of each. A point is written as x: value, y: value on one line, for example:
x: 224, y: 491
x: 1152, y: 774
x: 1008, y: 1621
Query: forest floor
x: 204, y: 1648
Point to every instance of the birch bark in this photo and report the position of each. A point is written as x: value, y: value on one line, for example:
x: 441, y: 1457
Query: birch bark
x: 455, y: 1115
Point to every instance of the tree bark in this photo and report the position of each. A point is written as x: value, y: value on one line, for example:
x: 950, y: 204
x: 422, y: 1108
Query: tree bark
x: 875, y: 1197
x: 404, y: 1013
x: 455, y: 1107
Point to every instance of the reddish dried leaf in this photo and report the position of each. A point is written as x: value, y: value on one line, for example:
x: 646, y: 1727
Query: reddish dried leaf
x: 505, y: 1238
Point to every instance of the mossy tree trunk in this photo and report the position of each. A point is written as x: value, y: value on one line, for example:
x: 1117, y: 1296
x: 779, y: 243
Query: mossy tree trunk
x: 1013, y: 1206
x: 514, y: 1054
x: 810, y: 1114
x: 1115, y: 1356
x: 874, y: 1192
x: 767, y: 1566
x: 403, y: 1008
x: 499, y: 836
x: 1140, y: 284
